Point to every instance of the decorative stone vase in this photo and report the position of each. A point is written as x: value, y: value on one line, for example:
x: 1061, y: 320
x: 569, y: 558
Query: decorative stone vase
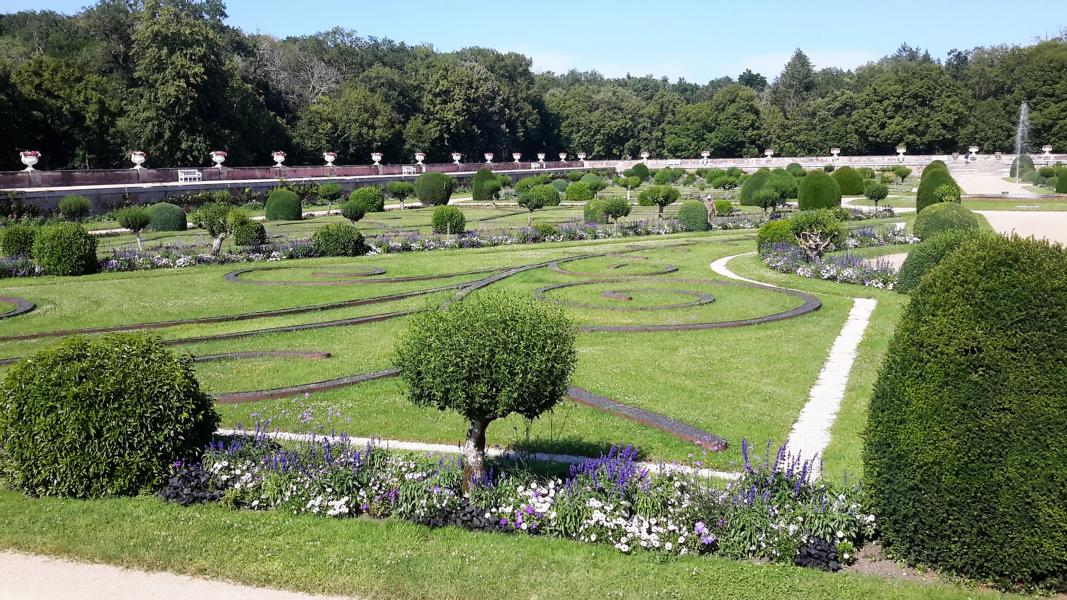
x: 419, y: 157
x: 541, y: 157
x: 769, y: 153
x: 973, y: 151
x: 29, y: 158
x: 488, y: 158
x: 329, y: 157
x: 137, y: 158
x: 376, y: 157
x: 218, y: 157
x: 562, y: 157
x: 901, y: 149
x: 456, y: 156
x: 581, y: 156
x: 645, y: 155
x: 516, y: 156
x: 1047, y: 149
x: 835, y: 152
x: 279, y: 158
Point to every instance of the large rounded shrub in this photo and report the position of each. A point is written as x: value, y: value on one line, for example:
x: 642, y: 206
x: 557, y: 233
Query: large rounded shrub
x: 98, y: 417
x: 934, y: 165
x: 595, y: 182
x: 850, y: 180
x: 752, y: 184
x: 593, y: 212
x: 941, y: 217
x: 927, y: 255
x: 371, y: 198
x: 578, y: 192
x: 639, y: 170
x: 434, y: 189
x: 818, y: 190
x: 478, y: 185
x: 249, y: 233
x: 338, y: 239
x: 693, y: 215
x: 283, y: 205
x: 65, y: 249
x: 928, y: 187
x: 795, y: 170
x: 17, y: 240
x: 561, y: 185
x: 1061, y: 183
x: 74, y: 207
x: 164, y: 216
x: 1027, y: 165
x: 965, y: 456
x: 614, y: 208
x: 779, y: 231
x: 449, y: 220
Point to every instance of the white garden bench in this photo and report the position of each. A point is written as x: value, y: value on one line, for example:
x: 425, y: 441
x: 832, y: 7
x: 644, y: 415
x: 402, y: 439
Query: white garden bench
x: 189, y: 175
x: 408, y: 170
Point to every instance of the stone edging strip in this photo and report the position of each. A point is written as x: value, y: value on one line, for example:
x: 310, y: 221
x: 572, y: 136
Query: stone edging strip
x: 362, y: 278
x: 293, y: 390
x: 22, y: 306
x: 678, y: 429
x: 701, y: 298
x: 261, y: 354
x: 289, y: 328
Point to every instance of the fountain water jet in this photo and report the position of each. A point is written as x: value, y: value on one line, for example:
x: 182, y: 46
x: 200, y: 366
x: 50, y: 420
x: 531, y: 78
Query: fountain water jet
x: 1022, y: 130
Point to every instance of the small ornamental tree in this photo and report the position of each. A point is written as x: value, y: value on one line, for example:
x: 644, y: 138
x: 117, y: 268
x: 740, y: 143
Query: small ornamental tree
x: 400, y: 191
x: 876, y: 192
x: 485, y: 358
x: 631, y: 183
x: 136, y: 219
x: 658, y: 195
x: 538, y: 197
x: 766, y: 198
x: 578, y: 192
x: 901, y: 172
x: 614, y: 209
x: 640, y: 170
x: 212, y: 218
x: 353, y: 210
x: 371, y: 197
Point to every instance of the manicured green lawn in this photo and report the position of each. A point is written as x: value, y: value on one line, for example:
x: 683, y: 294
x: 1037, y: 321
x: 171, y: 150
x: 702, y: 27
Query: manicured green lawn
x: 371, y: 559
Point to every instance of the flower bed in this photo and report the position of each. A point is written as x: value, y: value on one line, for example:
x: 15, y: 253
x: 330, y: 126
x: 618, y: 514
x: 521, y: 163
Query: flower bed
x: 773, y: 512
x: 846, y: 268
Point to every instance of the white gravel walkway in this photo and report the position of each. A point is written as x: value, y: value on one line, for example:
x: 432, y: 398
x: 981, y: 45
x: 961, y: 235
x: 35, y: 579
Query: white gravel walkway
x: 811, y: 433
x: 1051, y: 225
x: 33, y: 577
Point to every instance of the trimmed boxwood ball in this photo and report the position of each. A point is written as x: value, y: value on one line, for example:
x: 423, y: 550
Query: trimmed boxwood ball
x: 65, y: 249
x: 1027, y: 165
x: 850, y: 180
x: 941, y: 217
x: 478, y: 188
x: 640, y: 170
x: 751, y: 185
x: 934, y: 165
x: 928, y: 254
x: 250, y: 233
x: 964, y: 455
x: 434, y: 189
x: 818, y: 190
x: 164, y: 216
x: 448, y: 220
x: 928, y: 187
x: 578, y: 192
x: 561, y: 185
x: 338, y: 239
x: 795, y: 170
x: 17, y: 240
x: 96, y: 417
x: 283, y: 205
x: 693, y: 215
x: 74, y: 207
x: 779, y: 231
x: 371, y: 198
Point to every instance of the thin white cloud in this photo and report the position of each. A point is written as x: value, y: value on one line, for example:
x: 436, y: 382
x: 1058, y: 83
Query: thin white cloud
x: 771, y: 63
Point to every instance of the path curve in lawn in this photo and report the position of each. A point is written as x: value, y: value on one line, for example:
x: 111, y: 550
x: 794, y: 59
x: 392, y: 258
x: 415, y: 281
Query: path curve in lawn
x: 701, y: 298
x: 310, y: 355
x: 364, y: 277
x: 22, y: 306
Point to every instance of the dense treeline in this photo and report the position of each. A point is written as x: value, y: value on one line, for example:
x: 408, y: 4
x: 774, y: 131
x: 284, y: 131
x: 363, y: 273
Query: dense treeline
x: 170, y: 77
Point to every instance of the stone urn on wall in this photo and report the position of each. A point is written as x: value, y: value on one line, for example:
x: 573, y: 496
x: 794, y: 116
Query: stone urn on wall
x: 376, y: 157
x: 541, y: 158
x: 456, y: 156
x: 29, y: 158
x: 835, y: 152
x: 516, y: 156
x: 218, y: 157
x: 901, y: 149
x: 488, y: 158
x: 329, y: 157
x: 279, y: 157
x: 138, y: 157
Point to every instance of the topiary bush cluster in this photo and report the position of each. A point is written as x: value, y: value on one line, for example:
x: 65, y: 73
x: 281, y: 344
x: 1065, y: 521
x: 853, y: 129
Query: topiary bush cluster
x: 850, y: 181
x: 752, y: 184
x: 640, y: 170
x: 928, y: 254
x: 479, y: 189
x: 964, y: 453
x: 338, y: 239
x: 941, y: 217
x: 434, y: 189
x: 65, y: 249
x: 164, y: 216
x: 283, y: 205
x: 449, y: 220
x: 723, y: 207
x: 329, y: 192
x: 935, y: 177
x: 693, y: 215
x: 74, y: 207
x: 818, y: 190
x: 96, y: 417
x: 371, y: 198
x: 17, y: 240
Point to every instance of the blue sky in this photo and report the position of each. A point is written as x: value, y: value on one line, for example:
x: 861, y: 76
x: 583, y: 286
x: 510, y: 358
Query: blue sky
x: 698, y: 40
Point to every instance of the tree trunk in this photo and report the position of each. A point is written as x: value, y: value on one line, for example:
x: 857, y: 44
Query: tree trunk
x: 216, y: 245
x: 529, y: 219
x: 628, y: 195
x: 137, y: 234
x: 474, y: 454
x: 661, y: 211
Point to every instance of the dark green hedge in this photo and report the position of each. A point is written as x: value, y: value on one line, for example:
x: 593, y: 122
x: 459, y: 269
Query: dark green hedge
x: 165, y: 216
x: 578, y: 192
x: 850, y: 180
x: 931, y: 180
x: 818, y: 190
x: 434, y: 189
x: 17, y: 240
x: 965, y: 458
x: 478, y: 187
x: 752, y: 184
x: 74, y: 207
x: 98, y: 417
x: 65, y: 249
x: 774, y: 232
x: 283, y: 205
x: 941, y: 217
x: 1061, y: 182
x: 693, y: 215
x: 338, y: 239
x: 933, y: 166
x: 928, y: 254
x: 1027, y: 165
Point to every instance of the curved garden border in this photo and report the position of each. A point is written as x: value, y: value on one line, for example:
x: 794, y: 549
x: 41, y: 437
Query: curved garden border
x: 361, y: 278
x: 701, y: 298
x: 22, y: 306
x: 668, y: 268
x: 310, y: 355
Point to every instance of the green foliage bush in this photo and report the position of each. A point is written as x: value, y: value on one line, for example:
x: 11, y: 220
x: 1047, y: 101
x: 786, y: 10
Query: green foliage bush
x: 934, y: 165
x: 795, y: 170
x: 693, y: 215
x: 865, y: 172
x: 523, y: 185
x: 663, y: 177
x: 902, y: 172
x: 283, y: 205
x: 332, y: 192
x: 850, y: 180
x: 449, y: 220
x: 167, y: 217
x: 434, y: 189
x: 74, y: 207
x: 1032, y: 177
x: 735, y: 172
x: 1047, y: 172
x: 578, y: 192
x: 928, y: 187
x: 723, y: 207
x: 614, y: 208
x: 876, y: 191
x: 964, y: 455
x: 371, y: 198
x: 783, y: 185
x: 821, y: 222
x: 774, y: 232
x: 478, y: 188
x: 818, y: 190
x: 593, y: 212
x: 400, y: 190
x: 928, y: 254
x: 561, y: 185
x: 574, y: 175
x: 1027, y: 165
x: 1061, y: 183
x: 545, y: 229
x: 353, y: 210
x: 134, y: 218
x: 250, y: 233
x: 724, y: 183
x: 17, y: 240
x: 658, y: 195
x: 640, y: 170
x: 941, y: 217
x: 595, y: 182
x: 828, y: 168
x: 751, y: 185
x: 65, y: 249
x: 97, y: 417
x: 338, y: 239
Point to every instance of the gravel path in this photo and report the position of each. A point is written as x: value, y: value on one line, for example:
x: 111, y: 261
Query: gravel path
x: 893, y: 260
x: 32, y: 577
x: 991, y: 184
x: 1051, y: 225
